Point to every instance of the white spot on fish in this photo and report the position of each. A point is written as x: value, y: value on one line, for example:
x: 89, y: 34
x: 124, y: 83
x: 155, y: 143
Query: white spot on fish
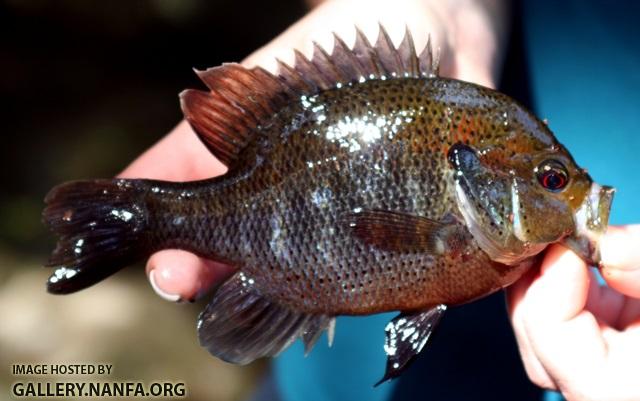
x: 78, y: 246
x: 321, y: 197
x: 278, y: 243
x: 62, y: 273
x: 406, y: 333
x: 123, y: 215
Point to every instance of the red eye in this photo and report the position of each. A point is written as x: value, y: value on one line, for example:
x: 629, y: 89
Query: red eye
x: 552, y: 175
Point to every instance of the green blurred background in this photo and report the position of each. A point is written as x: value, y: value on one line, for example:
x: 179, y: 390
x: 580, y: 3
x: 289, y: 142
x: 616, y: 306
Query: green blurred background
x: 87, y: 86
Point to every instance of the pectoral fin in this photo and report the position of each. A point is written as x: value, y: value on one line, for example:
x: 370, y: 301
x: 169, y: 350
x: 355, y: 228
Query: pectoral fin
x: 406, y: 335
x: 394, y: 231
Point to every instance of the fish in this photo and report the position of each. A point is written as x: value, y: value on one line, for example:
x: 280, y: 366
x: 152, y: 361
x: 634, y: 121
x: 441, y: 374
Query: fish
x: 359, y: 182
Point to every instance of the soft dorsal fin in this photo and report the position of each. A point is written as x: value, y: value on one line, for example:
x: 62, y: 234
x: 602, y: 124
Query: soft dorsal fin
x: 239, y: 99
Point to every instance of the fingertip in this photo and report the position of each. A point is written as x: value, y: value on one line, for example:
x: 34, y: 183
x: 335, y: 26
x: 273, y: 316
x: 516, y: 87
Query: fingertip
x: 621, y: 259
x: 178, y: 275
x: 626, y: 282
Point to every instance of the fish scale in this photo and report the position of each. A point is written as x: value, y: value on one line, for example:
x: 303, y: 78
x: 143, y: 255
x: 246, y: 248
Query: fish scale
x: 359, y: 182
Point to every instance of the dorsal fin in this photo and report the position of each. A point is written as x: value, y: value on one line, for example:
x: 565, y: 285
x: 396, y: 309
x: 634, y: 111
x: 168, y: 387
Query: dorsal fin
x: 389, y: 56
x: 240, y: 99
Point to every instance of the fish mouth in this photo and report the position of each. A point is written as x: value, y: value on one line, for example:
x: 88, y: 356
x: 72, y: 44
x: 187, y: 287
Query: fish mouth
x: 592, y: 220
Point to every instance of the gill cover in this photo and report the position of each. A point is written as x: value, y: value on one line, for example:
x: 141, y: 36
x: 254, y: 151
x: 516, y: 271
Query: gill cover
x: 510, y: 217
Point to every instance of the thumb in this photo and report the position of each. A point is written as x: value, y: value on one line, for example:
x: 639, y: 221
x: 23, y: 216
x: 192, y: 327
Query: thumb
x: 178, y: 275
x: 620, y: 249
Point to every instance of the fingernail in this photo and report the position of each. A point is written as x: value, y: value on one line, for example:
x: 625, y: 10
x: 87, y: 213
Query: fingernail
x: 159, y: 291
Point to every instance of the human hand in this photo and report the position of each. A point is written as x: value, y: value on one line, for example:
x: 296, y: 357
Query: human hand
x: 575, y: 335
x: 469, y: 33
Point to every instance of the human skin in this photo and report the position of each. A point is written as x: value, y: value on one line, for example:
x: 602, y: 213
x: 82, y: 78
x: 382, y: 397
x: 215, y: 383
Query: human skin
x: 574, y: 336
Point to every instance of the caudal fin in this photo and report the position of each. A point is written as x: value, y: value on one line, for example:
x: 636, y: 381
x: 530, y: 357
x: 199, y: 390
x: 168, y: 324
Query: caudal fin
x: 100, y: 226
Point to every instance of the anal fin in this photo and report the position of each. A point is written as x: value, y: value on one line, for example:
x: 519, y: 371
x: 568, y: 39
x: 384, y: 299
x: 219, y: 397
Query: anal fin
x: 406, y: 336
x: 239, y: 325
x: 314, y: 329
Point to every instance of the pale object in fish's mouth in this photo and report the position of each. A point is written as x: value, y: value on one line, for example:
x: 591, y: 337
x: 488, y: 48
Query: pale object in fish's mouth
x: 592, y: 219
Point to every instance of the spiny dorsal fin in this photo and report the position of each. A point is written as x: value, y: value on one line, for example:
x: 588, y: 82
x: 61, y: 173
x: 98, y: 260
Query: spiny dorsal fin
x: 429, y: 62
x: 240, y: 99
x: 388, y: 54
x: 408, y: 55
x: 367, y: 55
x: 346, y: 59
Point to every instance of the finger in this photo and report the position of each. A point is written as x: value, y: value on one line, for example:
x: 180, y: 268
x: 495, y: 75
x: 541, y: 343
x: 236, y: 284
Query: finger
x: 612, y: 308
x: 515, y: 296
x: 564, y: 336
x: 179, y: 156
x: 560, y: 291
x: 178, y: 275
x: 620, y: 249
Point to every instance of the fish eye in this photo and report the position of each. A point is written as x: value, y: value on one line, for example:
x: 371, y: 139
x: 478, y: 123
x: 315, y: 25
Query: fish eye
x: 552, y: 175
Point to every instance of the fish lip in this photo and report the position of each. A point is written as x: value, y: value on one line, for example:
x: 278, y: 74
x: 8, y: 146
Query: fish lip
x: 592, y: 220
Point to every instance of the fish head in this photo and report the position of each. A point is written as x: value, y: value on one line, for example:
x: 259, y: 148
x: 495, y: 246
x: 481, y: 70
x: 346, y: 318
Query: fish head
x: 517, y: 205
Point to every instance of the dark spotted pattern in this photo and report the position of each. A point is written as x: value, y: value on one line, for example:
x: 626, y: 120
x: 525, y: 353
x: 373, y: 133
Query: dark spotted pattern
x: 369, y: 145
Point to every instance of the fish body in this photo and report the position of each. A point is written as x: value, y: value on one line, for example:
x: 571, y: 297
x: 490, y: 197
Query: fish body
x: 286, y: 221
x: 360, y: 182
